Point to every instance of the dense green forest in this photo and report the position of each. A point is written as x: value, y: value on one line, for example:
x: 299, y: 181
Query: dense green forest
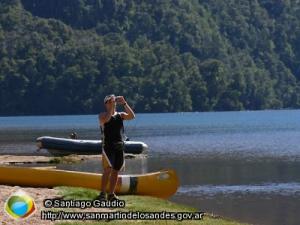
x: 63, y: 57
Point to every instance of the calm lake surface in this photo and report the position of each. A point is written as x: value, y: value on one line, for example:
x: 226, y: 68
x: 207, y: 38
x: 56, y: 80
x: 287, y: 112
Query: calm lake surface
x: 242, y: 165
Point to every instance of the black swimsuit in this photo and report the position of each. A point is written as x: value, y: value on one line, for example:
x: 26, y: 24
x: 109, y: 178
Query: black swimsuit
x: 113, y: 144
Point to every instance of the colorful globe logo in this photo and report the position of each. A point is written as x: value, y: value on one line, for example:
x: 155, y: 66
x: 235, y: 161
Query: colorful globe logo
x: 20, y: 205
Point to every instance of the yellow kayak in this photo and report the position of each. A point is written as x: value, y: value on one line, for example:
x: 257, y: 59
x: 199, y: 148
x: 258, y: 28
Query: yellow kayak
x: 162, y: 184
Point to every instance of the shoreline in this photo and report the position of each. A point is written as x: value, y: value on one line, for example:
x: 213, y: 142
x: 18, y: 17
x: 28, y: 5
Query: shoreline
x: 151, y: 113
x: 40, y: 159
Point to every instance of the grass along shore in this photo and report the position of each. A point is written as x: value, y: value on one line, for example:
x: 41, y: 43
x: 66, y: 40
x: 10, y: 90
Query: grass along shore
x: 142, y: 204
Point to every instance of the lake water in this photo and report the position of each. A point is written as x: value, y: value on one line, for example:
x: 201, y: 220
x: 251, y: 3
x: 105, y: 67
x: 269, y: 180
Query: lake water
x: 242, y: 165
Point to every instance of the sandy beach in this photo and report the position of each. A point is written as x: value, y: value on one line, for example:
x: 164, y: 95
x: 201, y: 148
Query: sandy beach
x: 26, y: 159
x: 39, y: 159
x: 38, y: 194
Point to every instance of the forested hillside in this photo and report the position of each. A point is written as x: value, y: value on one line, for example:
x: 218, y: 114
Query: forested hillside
x: 62, y: 56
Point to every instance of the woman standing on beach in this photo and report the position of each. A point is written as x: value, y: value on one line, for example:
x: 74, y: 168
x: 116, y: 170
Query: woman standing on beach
x: 111, y: 123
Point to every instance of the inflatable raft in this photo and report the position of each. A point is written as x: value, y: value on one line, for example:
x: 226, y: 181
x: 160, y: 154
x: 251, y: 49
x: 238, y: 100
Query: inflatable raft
x: 162, y: 184
x: 65, y: 146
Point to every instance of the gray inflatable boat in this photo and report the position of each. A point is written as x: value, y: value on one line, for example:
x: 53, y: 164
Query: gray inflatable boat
x: 65, y: 146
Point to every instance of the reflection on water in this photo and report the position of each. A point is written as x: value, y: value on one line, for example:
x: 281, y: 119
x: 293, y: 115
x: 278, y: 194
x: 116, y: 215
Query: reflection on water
x: 265, y: 191
x: 195, y: 171
x: 284, y: 189
x: 254, y: 208
x: 243, y: 165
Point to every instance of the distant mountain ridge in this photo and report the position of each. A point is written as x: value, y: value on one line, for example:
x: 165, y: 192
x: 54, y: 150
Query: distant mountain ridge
x: 62, y: 57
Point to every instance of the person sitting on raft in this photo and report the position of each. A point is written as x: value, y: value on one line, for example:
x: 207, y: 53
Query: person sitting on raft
x: 111, y: 124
